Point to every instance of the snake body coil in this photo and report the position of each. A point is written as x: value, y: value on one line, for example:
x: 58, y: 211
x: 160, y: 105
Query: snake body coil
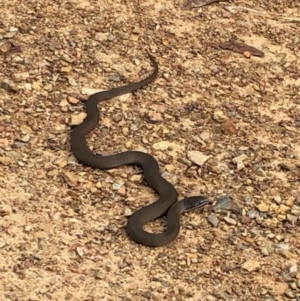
x: 167, y: 202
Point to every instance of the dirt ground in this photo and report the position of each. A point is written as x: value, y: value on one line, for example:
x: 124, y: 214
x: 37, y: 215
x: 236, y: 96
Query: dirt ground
x: 218, y: 122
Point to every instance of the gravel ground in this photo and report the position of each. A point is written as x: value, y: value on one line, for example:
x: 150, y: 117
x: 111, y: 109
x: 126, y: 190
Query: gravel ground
x: 218, y: 122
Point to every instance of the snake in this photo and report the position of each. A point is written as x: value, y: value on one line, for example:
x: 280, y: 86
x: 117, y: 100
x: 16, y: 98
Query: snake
x: 167, y: 204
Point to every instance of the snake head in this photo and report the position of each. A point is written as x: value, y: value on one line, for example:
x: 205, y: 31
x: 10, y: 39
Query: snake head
x: 194, y: 202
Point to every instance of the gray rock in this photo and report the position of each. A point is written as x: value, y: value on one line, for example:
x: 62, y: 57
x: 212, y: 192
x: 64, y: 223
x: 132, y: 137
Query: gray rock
x: 212, y: 218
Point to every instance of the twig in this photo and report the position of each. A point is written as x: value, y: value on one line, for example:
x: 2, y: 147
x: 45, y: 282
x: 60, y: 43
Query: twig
x: 189, y: 4
x: 232, y: 9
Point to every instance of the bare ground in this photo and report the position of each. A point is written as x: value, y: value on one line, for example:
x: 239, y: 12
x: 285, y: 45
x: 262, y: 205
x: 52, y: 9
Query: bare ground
x: 62, y: 224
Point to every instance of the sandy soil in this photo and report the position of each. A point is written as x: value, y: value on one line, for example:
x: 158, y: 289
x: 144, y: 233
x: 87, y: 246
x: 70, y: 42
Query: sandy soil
x: 218, y: 122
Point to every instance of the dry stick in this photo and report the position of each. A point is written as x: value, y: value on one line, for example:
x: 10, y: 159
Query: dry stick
x: 232, y: 9
x: 198, y: 3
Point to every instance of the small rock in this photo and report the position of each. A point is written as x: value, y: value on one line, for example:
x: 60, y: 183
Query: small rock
x: 264, y: 251
x: 114, y: 78
x: 110, y: 37
x: 113, y: 228
x: 25, y: 138
x: 27, y: 86
x: 228, y: 127
x: 226, y: 203
x: 36, y: 86
x: 72, y: 81
x: 293, y: 285
x: 66, y: 69
x: 267, y: 248
x: 251, y: 265
x: 78, y: 119
x: 212, y: 218
x: 252, y: 213
x: 128, y: 144
x: 101, y: 36
x: 263, y: 207
x: 134, y: 128
x: 184, y: 161
x: 117, y: 186
x: 80, y: 251
x: 73, y: 100
x: 169, y: 168
x: 219, y: 116
x: 277, y: 199
x: 5, y: 47
x: 172, y: 178
x: 239, y: 161
x: 117, y: 117
x: 122, y: 191
x: 127, y: 212
x: 61, y: 162
x: 28, y: 228
x: 247, y: 54
x: 9, y: 35
x: 292, y: 218
x: 5, y: 210
x: 90, y: 91
x: 135, y: 178
x: 197, y: 157
x: 290, y: 202
x: 282, y: 247
x: 70, y: 178
x: 293, y: 270
x: 289, y: 294
x: 295, y: 210
x: 6, y: 160
x: 22, y: 76
x: 155, y: 116
x: 205, y: 136
x: 283, y: 209
x: 125, y: 131
x: 229, y: 220
x: 166, y: 145
x: 100, y: 274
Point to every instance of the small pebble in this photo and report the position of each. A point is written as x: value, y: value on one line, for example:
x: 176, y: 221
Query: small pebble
x: 293, y: 285
x: 248, y: 199
x: 100, y: 274
x: 80, y: 251
x: 251, y: 265
x: 197, y: 157
x: 263, y: 207
x: 282, y: 247
x: 229, y: 220
x: 219, y: 116
x: 226, y: 203
x: 133, y: 128
x: 113, y: 228
x: 277, y: 199
x: 127, y: 212
x: 293, y: 270
x: 295, y: 210
x: 212, y: 218
x: 289, y: 294
x: 117, y: 186
x: 252, y: 213
x: 135, y: 178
